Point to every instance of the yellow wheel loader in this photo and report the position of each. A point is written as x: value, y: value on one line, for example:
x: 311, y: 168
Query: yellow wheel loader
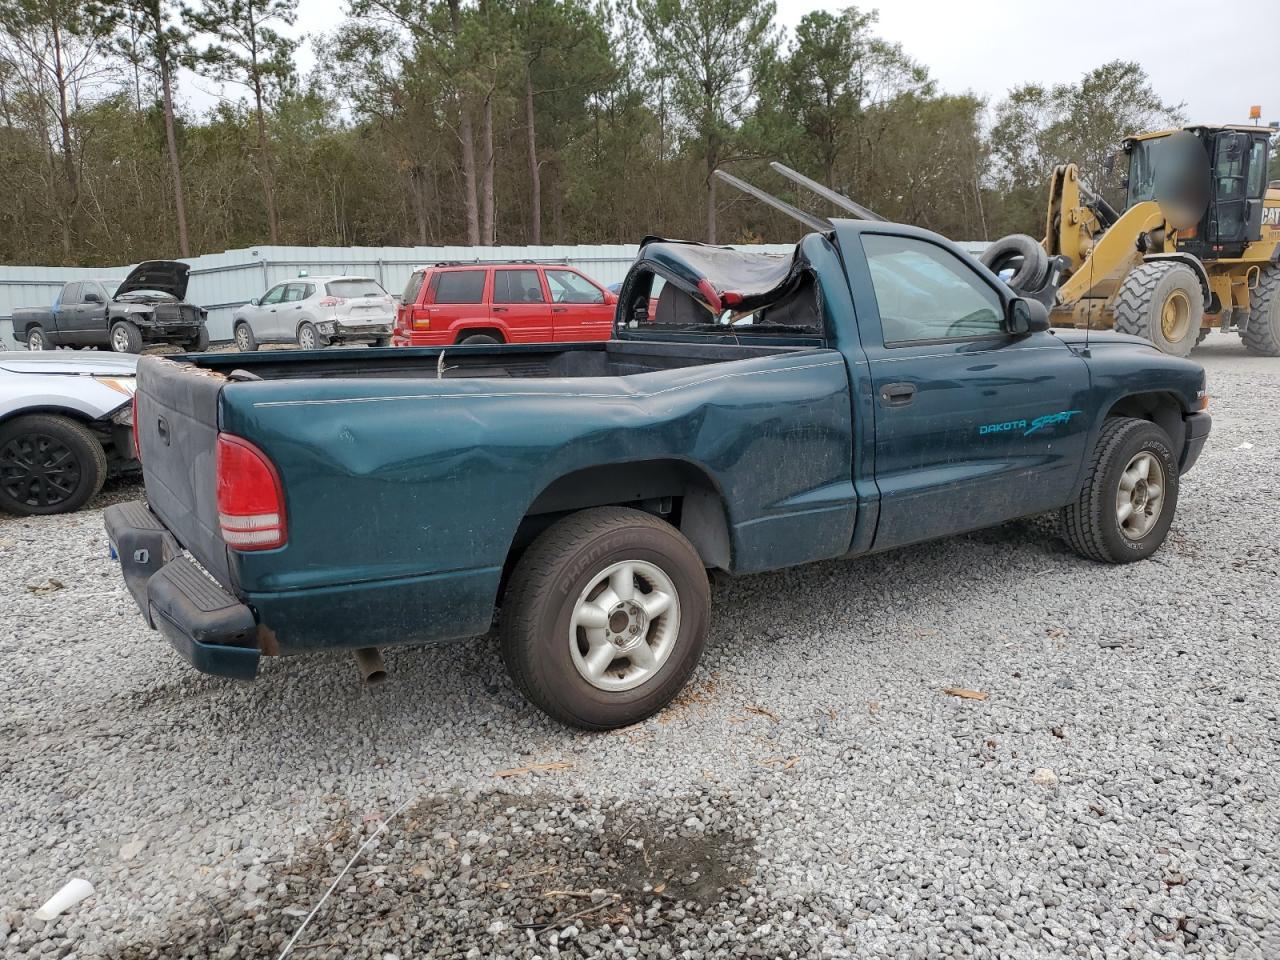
x: 1197, y: 245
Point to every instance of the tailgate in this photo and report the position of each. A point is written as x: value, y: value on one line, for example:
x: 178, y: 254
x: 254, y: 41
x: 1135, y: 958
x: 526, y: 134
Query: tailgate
x: 178, y: 434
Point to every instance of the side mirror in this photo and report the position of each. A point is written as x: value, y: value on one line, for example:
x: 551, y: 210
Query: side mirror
x: 1109, y: 164
x: 255, y: 302
x: 92, y: 297
x: 1024, y: 316
x: 610, y: 297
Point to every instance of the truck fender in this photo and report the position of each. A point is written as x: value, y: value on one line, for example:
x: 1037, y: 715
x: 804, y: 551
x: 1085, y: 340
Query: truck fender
x: 1196, y: 267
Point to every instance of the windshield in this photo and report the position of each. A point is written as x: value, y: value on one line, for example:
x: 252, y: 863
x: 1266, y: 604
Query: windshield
x: 1142, y: 171
x: 359, y: 287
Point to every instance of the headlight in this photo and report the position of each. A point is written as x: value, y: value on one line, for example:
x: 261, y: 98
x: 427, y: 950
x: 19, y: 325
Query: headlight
x: 125, y: 385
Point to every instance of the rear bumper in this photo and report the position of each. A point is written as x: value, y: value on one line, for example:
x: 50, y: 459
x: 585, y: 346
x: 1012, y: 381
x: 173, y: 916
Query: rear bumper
x: 212, y: 630
x: 1198, y: 426
x: 336, y: 331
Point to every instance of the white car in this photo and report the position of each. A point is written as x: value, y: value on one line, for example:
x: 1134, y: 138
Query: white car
x: 316, y: 311
x: 66, y: 422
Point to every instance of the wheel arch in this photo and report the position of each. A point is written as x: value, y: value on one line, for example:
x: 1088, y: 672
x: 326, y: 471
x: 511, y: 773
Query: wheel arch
x: 461, y: 332
x: 679, y: 491
x: 1160, y: 407
x: 87, y: 416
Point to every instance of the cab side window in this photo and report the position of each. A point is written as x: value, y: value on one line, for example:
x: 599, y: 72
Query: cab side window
x: 569, y: 287
x: 925, y: 293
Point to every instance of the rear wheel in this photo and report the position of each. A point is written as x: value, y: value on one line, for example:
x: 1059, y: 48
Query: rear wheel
x: 1262, y: 335
x: 477, y: 338
x: 1161, y: 302
x: 246, y: 342
x: 48, y: 464
x: 309, y: 336
x: 36, y: 340
x: 125, y: 337
x: 1129, y: 497
x: 605, y: 617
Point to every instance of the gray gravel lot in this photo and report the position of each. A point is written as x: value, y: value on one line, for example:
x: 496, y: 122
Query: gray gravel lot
x: 813, y: 793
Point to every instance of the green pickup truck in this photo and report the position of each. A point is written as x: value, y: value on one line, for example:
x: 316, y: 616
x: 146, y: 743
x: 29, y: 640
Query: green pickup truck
x: 878, y: 387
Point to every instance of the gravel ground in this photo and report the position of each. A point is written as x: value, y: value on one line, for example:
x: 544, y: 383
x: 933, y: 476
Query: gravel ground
x: 813, y: 793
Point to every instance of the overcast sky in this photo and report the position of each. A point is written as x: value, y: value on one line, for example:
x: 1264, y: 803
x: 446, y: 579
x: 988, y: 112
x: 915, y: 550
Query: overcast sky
x: 1194, y: 53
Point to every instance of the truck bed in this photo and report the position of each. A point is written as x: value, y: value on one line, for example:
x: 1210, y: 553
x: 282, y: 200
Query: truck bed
x: 615, y: 358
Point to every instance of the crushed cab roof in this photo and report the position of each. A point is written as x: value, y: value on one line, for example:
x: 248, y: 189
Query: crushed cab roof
x: 725, y: 278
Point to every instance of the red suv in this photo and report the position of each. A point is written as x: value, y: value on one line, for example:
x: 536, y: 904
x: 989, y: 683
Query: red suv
x: 514, y: 302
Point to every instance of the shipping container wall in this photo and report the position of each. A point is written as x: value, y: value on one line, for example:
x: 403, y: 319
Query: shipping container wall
x: 220, y: 282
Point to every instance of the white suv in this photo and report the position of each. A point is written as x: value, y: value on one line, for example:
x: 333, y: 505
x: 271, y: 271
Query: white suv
x: 316, y: 311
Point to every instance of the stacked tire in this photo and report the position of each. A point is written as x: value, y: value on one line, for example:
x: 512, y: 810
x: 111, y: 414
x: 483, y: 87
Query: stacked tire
x: 1022, y: 258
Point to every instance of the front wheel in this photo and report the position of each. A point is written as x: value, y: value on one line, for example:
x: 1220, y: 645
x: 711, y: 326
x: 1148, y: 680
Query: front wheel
x: 246, y: 342
x: 605, y: 617
x: 1129, y: 497
x: 48, y: 464
x: 200, y: 342
x: 1161, y: 301
x: 125, y: 337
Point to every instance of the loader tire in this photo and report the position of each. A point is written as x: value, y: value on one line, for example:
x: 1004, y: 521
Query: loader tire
x: 1161, y: 302
x: 1262, y: 334
x: 1024, y: 256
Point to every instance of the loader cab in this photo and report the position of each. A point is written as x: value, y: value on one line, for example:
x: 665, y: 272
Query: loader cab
x: 1238, y: 183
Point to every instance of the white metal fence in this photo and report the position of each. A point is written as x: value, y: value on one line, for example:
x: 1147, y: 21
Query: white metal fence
x: 220, y: 282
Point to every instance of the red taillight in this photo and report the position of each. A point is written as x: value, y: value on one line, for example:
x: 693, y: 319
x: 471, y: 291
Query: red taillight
x: 250, y: 498
x: 137, y: 447
x: 332, y: 301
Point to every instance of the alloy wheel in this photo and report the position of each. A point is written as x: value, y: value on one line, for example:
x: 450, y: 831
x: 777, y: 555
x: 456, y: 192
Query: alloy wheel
x: 38, y: 470
x: 624, y: 625
x: 1140, y: 496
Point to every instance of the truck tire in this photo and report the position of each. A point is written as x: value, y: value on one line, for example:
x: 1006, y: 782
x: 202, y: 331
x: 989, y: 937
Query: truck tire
x: 309, y: 337
x: 246, y: 342
x: 477, y: 338
x: 1162, y: 302
x: 48, y: 464
x: 1262, y: 334
x: 201, y: 341
x: 36, y: 339
x: 1023, y: 255
x: 591, y: 592
x: 125, y: 337
x: 1129, y: 496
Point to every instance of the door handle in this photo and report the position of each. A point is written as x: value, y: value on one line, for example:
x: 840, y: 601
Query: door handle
x: 897, y: 394
x: 499, y: 309
x: 559, y: 309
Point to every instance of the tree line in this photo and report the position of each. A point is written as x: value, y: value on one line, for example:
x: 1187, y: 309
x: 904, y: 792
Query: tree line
x: 503, y: 121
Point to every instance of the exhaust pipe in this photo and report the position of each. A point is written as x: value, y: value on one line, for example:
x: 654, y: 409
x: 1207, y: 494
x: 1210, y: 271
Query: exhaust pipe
x: 372, y: 670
